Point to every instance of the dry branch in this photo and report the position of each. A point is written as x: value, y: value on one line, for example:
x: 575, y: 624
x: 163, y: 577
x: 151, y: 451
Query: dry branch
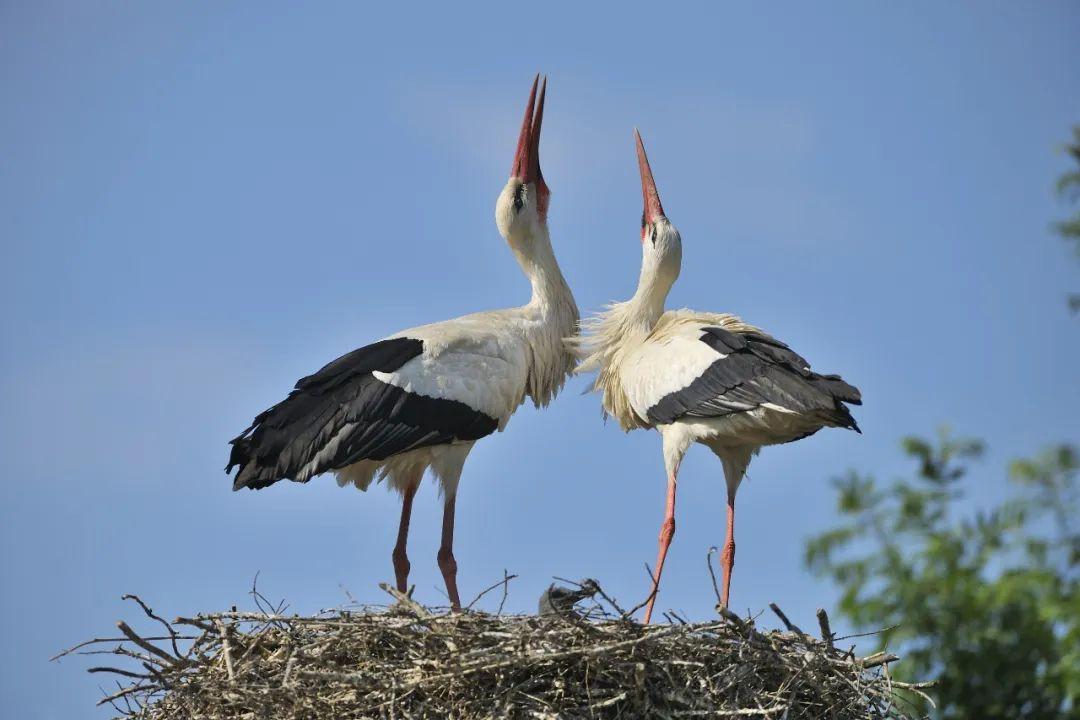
x: 411, y: 661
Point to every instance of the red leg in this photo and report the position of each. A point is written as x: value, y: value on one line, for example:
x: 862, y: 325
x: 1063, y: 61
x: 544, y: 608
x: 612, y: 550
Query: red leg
x: 667, y: 532
x: 447, y: 563
x: 401, y: 559
x: 727, y: 558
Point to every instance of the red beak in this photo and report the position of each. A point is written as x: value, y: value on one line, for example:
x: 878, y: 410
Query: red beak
x: 526, y: 165
x: 653, y: 208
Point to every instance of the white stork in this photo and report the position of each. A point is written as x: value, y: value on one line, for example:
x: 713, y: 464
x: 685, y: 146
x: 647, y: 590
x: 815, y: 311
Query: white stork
x: 421, y: 398
x: 700, y: 377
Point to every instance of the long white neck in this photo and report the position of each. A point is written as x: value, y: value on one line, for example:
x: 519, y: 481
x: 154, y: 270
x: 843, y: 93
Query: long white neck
x: 549, y: 288
x: 610, y: 336
x: 661, y: 260
x: 550, y: 315
x: 647, y: 304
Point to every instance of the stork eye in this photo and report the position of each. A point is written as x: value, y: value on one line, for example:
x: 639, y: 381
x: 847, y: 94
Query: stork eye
x: 650, y: 233
x: 519, y: 196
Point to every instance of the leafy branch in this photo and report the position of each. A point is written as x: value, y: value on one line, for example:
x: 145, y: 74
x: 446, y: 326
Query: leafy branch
x: 989, y: 602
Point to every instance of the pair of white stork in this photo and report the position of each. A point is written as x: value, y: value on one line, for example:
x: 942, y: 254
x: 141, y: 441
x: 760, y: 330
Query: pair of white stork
x: 420, y: 399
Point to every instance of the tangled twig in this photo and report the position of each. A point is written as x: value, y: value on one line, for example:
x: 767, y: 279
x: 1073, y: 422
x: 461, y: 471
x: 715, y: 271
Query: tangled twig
x: 411, y: 661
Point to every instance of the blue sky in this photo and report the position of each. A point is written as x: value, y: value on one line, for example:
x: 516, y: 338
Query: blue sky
x: 200, y: 204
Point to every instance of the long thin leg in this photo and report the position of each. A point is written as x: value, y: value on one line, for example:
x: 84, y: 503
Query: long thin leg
x: 447, y: 563
x: 667, y: 532
x: 727, y: 558
x: 401, y: 559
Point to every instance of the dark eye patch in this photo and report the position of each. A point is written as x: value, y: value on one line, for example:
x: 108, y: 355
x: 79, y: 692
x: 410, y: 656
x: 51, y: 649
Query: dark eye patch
x: 519, y: 196
x: 651, y: 232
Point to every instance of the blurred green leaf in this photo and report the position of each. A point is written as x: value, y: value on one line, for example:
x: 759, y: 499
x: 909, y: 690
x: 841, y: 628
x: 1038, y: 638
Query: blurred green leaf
x: 988, y: 602
x: 1068, y: 187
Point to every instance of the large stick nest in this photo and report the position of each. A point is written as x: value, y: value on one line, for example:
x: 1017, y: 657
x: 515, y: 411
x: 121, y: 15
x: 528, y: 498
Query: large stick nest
x: 407, y: 661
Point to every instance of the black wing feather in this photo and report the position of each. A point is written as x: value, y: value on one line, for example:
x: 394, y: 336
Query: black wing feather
x: 345, y: 404
x: 757, y: 369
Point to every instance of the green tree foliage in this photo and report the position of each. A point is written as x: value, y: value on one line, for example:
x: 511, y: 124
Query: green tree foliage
x: 987, y: 603
x: 1068, y: 187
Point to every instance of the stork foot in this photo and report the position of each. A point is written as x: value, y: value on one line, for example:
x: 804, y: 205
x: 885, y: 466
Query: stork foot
x: 448, y: 566
x: 399, y: 556
x: 401, y: 569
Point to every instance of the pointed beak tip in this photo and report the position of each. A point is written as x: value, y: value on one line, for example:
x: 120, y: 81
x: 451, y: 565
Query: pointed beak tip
x: 527, y: 156
x: 650, y: 196
x: 521, y: 154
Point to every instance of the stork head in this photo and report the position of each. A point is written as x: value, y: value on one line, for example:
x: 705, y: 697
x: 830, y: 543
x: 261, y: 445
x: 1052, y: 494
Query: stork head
x: 661, y: 245
x: 522, y: 206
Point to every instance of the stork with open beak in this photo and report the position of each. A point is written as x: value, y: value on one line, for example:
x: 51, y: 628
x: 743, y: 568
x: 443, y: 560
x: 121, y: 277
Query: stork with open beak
x: 421, y: 398
x: 700, y: 377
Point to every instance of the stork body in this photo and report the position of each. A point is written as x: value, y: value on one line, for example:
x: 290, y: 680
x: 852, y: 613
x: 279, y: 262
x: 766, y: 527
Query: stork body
x: 420, y: 399
x: 699, y: 377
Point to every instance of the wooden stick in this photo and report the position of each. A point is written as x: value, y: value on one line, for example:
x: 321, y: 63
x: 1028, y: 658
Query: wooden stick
x: 98, y: 641
x: 506, y: 579
x: 878, y: 658
x: 226, y: 650
x: 417, y: 609
x: 148, y: 647
x: 163, y: 621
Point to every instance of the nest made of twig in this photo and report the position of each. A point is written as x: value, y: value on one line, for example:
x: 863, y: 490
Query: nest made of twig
x: 407, y: 661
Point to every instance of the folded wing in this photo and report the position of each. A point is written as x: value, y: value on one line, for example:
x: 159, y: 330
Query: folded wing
x: 369, y: 404
x: 710, y: 372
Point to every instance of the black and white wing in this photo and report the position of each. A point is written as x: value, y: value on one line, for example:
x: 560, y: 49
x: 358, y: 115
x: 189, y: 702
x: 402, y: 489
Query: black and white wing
x: 702, y: 370
x: 381, y: 400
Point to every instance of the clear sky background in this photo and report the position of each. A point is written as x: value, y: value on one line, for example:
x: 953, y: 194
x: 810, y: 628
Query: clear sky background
x: 200, y: 203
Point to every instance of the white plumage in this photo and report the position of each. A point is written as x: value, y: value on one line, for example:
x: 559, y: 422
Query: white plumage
x: 421, y: 398
x: 699, y: 377
x: 669, y: 359
x: 490, y: 361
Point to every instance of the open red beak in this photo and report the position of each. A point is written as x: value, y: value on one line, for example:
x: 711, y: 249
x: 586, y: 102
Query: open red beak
x: 653, y: 208
x: 526, y: 165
